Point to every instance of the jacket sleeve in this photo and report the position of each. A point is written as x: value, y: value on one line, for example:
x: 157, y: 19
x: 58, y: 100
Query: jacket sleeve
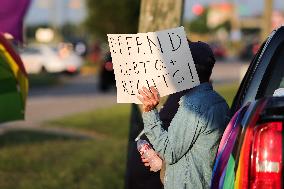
x: 182, y: 133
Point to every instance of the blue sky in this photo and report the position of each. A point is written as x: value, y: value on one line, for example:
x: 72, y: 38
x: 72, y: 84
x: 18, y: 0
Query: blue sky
x: 56, y: 11
x: 59, y: 11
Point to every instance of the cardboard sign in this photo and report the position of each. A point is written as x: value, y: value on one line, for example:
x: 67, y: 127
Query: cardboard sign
x: 161, y: 59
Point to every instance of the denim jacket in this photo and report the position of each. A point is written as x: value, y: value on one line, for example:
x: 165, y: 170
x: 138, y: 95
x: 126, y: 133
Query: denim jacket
x: 191, y: 142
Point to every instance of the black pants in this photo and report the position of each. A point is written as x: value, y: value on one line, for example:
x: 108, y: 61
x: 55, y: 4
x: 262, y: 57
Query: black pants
x: 137, y: 175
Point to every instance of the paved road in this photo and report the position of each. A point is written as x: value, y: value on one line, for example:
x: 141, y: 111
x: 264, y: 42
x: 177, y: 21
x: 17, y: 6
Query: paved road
x: 77, y: 94
x: 80, y: 94
x: 228, y: 72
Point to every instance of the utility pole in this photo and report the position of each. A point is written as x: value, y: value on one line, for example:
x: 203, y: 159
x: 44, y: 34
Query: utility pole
x: 160, y: 14
x: 266, y: 19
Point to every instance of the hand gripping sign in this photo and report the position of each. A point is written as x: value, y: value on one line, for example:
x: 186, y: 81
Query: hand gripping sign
x: 161, y: 59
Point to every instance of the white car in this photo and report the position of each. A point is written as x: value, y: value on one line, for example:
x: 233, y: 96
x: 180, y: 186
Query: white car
x: 39, y: 58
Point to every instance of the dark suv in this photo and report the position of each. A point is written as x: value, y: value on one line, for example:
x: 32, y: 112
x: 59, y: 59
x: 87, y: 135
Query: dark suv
x: 250, y: 152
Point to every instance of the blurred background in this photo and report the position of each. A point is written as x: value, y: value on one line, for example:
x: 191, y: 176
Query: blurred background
x: 75, y: 134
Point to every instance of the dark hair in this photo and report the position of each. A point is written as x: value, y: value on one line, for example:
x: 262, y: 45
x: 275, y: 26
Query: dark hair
x: 204, y: 72
x: 203, y: 58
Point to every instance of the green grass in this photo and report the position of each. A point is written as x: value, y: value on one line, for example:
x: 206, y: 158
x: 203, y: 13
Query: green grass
x: 63, y: 164
x: 16, y: 137
x: 228, y: 91
x: 35, y: 160
x: 30, y: 160
x: 113, y: 121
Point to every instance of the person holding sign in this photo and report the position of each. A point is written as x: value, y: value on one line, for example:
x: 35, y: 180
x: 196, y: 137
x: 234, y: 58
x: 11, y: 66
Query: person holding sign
x: 189, y: 146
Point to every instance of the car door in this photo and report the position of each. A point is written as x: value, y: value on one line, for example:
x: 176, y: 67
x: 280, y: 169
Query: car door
x: 265, y: 73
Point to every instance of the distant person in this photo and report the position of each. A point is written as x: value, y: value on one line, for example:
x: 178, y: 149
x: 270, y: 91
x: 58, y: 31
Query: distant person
x: 189, y: 146
x: 106, y: 75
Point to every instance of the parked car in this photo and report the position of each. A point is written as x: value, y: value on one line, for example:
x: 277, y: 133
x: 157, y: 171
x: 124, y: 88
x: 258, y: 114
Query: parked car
x: 249, y: 50
x: 80, y: 46
x: 218, y: 49
x: 250, y: 152
x: 44, y: 58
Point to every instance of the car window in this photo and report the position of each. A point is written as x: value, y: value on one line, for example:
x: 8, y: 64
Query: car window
x: 246, y: 81
x: 252, y: 87
x: 274, y: 74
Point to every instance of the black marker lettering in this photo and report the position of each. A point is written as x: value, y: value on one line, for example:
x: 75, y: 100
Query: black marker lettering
x: 178, y: 46
x: 111, y: 42
x: 150, y: 41
x: 160, y: 44
x: 154, y: 83
x: 134, y: 68
x: 144, y: 65
x: 160, y: 65
x: 181, y: 77
x: 173, y: 62
x: 138, y: 85
x: 119, y: 43
x: 128, y: 47
x: 132, y: 92
x: 120, y: 69
x: 148, y: 84
x: 138, y: 44
x: 125, y: 73
x: 124, y: 87
x: 190, y: 72
x: 164, y: 79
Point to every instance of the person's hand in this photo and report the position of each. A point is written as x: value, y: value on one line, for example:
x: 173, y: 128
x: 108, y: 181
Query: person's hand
x: 157, y: 167
x: 149, y: 99
x: 145, y: 161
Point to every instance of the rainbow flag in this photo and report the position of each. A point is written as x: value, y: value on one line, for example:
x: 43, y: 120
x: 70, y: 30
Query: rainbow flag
x: 13, y: 83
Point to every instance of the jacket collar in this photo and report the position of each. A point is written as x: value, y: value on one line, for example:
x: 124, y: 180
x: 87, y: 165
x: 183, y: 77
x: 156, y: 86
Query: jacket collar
x: 206, y: 86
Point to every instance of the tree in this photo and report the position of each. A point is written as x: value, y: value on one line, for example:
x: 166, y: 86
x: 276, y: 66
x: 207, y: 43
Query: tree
x: 199, y: 24
x: 110, y: 16
x: 160, y: 14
